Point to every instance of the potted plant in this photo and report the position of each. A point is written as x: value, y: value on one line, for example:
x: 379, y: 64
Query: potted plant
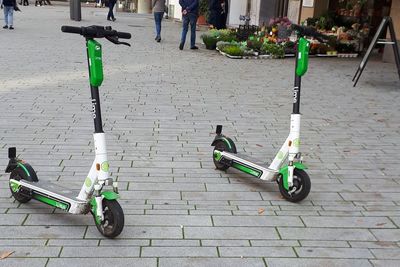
x: 210, y: 39
x: 203, y: 12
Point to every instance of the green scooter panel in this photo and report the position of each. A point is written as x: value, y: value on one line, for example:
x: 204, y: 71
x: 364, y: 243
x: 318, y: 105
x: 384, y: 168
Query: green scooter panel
x: 95, y: 63
x: 302, y: 58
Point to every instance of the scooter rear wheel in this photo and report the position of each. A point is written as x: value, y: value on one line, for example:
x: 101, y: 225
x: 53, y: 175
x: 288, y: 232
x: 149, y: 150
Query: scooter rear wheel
x: 220, y: 146
x: 19, y: 174
x: 113, y: 222
x: 301, y: 181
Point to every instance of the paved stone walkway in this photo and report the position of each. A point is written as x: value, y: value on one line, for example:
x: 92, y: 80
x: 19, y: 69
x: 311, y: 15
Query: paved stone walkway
x: 160, y: 107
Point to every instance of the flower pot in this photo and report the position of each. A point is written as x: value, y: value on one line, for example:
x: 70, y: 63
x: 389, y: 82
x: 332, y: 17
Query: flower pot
x: 211, y: 46
x: 201, y: 20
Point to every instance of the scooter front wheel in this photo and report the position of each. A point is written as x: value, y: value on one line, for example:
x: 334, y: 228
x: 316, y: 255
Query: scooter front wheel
x: 301, y: 181
x: 113, y: 222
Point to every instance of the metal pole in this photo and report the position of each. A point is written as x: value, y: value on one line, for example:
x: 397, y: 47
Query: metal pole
x: 75, y: 10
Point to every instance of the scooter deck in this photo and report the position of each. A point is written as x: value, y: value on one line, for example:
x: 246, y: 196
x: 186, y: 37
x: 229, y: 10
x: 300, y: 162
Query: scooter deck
x: 251, y: 159
x: 53, y: 190
x: 248, y: 165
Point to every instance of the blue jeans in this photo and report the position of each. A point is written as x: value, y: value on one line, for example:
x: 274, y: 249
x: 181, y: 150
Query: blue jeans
x: 192, y: 19
x: 8, y: 15
x: 158, y: 16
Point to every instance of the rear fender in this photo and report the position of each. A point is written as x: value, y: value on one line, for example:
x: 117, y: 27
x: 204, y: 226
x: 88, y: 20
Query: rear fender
x: 228, y: 142
x: 28, y: 170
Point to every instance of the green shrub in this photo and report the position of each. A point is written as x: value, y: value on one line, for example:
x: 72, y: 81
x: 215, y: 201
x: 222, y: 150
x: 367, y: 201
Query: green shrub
x: 233, y: 50
x: 222, y: 44
x: 226, y: 35
x: 255, y: 44
x: 275, y: 50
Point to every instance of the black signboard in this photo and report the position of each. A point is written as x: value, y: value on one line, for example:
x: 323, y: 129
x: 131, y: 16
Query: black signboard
x: 387, y: 21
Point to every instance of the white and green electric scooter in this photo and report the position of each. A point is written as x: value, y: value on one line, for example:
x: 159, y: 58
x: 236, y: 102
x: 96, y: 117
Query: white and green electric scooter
x: 24, y: 183
x: 294, y: 182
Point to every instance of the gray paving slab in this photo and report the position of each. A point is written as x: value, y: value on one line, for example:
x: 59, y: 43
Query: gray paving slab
x: 99, y: 252
x: 318, y: 262
x: 35, y: 262
x: 212, y: 262
x: 160, y: 108
x: 197, y: 252
x: 386, y: 234
x: 326, y: 234
x: 284, y: 252
x: 32, y: 252
x: 348, y: 222
x: 139, y: 262
x: 386, y: 253
x: 341, y: 253
x: 256, y: 221
x: 146, y: 232
x: 231, y: 232
x: 385, y: 263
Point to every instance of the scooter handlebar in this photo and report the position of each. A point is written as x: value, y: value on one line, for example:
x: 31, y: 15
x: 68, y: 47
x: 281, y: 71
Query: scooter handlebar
x: 310, y: 32
x: 96, y: 31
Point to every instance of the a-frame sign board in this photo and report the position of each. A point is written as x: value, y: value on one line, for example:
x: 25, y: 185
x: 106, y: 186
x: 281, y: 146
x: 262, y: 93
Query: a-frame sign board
x: 387, y: 21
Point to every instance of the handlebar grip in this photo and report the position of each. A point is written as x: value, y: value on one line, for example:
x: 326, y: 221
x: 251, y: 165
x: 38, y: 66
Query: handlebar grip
x: 124, y: 35
x: 71, y: 29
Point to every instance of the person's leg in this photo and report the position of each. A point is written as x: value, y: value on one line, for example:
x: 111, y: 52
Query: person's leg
x: 193, y: 21
x: 112, y: 9
x: 185, y: 28
x: 157, y: 19
x: 5, y: 17
x: 161, y: 17
x: 10, y: 17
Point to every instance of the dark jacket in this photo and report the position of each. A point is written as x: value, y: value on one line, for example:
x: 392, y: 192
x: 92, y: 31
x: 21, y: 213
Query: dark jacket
x: 191, y: 6
x: 215, y: 13
x: 9, y: 2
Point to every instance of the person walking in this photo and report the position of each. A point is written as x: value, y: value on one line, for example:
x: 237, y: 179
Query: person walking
x: 158, y: 10
x: 215, y: 13
x: 26, y: 3
x: 9, y: 6
x: 190, y: 12
x: 111, y: 5
x: 224, y: 14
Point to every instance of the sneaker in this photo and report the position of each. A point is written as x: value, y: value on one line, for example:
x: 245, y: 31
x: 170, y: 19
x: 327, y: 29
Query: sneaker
x: 5, y: 27
x: 181, y: 46
x: 114, y: 19
x: 194, y: 48
x: 11, y: 28
x: 158, y: 39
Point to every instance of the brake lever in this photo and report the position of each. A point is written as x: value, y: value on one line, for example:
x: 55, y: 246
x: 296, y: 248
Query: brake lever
x: 114, y: 40
x: 124, y: 43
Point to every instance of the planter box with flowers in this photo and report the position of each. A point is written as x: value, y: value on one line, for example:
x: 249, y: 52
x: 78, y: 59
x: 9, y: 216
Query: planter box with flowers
x: 211, y: 37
